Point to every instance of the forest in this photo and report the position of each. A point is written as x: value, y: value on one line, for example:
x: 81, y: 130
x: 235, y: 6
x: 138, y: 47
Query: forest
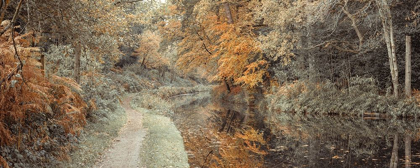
x: 209, y: 83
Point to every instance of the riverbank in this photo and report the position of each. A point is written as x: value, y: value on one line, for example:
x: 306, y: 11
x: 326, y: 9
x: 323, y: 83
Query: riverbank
x: 163, y: 145
x: 360, y: 99
x: 320, y: 124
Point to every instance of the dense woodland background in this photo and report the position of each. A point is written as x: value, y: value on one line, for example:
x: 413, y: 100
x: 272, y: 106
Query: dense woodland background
x: 64, y: 64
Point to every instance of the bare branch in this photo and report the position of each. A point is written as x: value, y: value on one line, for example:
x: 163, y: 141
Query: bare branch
x: 20, y: 66
x: 204, y: 45
x: 333, y: 43
x: 354, y: 21
x: 13, y: 33
x: 123, y: 2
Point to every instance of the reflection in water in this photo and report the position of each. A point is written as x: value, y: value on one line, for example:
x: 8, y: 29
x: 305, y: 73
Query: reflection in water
x: 305, y: 141
x: 407, y: 151
x: 217, y: 135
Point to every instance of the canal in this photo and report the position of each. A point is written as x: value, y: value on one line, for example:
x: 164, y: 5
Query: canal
x: 218, y: 134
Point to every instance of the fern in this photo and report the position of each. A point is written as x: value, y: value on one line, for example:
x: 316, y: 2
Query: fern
x: 3, y: 163
x: 26, y: 92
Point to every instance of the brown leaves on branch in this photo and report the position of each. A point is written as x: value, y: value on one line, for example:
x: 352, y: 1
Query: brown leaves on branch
x: 148, y: 52
x: 3, y: 162
x: 222, y: 41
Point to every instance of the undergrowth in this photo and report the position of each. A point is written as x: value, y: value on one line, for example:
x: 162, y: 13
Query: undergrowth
x: 155, y: 99
x: 325, y: 98
x: 104, y: 121
x: 49, y: 121
x: 39, y: 117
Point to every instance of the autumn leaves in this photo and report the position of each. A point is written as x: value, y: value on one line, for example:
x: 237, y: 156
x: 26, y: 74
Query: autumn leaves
x: 221, y: 40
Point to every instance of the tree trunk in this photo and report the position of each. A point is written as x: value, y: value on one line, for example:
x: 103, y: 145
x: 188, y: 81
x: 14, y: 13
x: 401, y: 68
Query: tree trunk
x: 227, y: 85
x: 312, y: 74
x: 172, y: 76
x: 311, y: 59
x: 394, y: 59
x: 408, y: 66
x: 142, y: 62
x: 313, y: 152
x: 78, y: 52
x: 407, y: 144
x: 354, y: 25
x: 230, y: 21
x: 385, y: 13
x: 3, y: 10
x: 228, y: 13
x: 394, y: 155
x: 43, y: 65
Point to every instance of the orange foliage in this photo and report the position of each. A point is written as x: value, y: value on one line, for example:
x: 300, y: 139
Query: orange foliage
x: 170, y: 29
x: 148, y: 51
x: 240, y: 150
x: 416, y: 95
x: 3, y: 163
x: 255, y: 73
x: 236, y: 90
x: 227, y: 51
x: 209, y: 146
x: 24, y: 90
x: 234, y: 54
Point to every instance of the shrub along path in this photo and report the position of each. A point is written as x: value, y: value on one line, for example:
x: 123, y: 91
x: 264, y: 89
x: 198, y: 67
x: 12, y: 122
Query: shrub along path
x: 126, y: 147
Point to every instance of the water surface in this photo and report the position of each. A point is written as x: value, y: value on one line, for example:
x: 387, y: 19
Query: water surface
x: 228, y: 135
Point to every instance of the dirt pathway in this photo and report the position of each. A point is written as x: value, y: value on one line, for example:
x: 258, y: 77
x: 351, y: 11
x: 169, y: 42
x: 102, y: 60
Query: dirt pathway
x: 126, y: 147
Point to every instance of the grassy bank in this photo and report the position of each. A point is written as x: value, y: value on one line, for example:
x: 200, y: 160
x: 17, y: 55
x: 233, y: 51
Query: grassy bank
x: 95, y: 139
x: 163, y: 145
x: 362, y: 97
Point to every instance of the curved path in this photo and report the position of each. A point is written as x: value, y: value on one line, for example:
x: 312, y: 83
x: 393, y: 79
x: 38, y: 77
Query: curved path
x: 125, y: 149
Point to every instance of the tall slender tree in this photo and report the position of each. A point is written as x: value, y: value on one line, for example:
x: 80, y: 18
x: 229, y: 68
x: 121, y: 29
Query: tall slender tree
x: 408, y: 66
x: 388, y: 28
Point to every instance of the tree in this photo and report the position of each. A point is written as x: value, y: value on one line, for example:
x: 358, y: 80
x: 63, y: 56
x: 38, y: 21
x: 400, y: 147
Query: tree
x: 407, y: 145
x: 408, y: 67
x: 227, y: 46
x: 394, y: 154
x: 148, y: 51
x: 95, y: 30
x: 26, y: 94
x: 78, y: 52
x: 334, y: 40
x: 386, y: 17
x: 327, y: 40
